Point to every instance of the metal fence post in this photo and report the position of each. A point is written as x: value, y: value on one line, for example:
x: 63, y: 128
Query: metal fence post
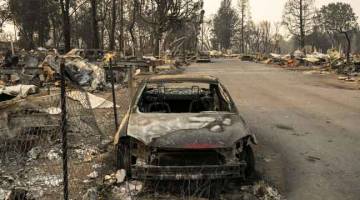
x: 113, y: 95
x: 63, y: 130
x: 131, y: 81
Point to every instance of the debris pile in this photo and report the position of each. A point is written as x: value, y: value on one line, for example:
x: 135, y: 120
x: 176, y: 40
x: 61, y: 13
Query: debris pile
x: 17, y: 91
x: 332, y: 61
x: 86, y: 68
x: 114, y: 186
x: 260, y: 191
x: 78, y: 70
x: 30, y: 144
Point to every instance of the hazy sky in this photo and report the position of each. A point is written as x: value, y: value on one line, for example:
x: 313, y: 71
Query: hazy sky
x: 272, y: 10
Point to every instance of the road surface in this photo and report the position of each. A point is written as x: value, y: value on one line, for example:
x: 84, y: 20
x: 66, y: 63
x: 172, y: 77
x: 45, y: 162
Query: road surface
x: 308, y: 129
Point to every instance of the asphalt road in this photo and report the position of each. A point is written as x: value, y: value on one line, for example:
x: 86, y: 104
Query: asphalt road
x: 307, y: 126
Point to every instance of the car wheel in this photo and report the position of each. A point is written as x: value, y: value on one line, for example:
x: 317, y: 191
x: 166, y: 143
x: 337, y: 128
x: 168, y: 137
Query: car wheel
x: 247, y: 155
x: 123, y: 157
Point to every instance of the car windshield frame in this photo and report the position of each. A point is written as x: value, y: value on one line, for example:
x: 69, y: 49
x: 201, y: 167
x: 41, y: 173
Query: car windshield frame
x: 223, y: 91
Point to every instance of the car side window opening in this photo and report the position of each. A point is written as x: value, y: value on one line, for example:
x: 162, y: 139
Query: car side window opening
x: 183, y: 97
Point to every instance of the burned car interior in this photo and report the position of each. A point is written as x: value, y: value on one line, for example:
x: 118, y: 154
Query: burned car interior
x: 183, y: 97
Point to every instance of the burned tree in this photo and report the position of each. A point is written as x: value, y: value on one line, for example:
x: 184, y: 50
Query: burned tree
x: 244, y: 10
x: 94, y: 23
x: 163, y: 15
x: 340, y: 18
x: 5, y: 15
x: 33, y: 20
x: 121, y: 35
x: 225, y: 23
x: 132, y: 27
x: 113, y: 25
x: 298, y: 18
x: 65, y: 11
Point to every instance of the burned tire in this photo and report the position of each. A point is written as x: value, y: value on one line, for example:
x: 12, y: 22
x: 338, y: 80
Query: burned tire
x: 123, y: 160
x: 248, y: 156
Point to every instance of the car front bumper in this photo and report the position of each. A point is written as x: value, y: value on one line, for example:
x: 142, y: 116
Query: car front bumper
x: 151, y: 172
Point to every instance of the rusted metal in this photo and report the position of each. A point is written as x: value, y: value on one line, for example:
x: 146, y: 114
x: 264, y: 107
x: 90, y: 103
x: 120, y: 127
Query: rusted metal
x: 113, y: 95
x: 64, y: 131
x: 131, y: 81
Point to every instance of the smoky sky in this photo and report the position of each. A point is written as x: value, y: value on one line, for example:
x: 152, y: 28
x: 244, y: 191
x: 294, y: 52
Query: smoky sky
x: 272, y: 10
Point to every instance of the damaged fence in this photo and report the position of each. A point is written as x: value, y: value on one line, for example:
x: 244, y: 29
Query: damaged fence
x: 33, y: 144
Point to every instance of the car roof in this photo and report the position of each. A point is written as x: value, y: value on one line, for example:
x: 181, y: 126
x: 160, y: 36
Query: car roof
x: 183, y: 78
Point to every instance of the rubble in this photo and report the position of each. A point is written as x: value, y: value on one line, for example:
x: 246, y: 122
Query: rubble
x: 45, y: 180
x: 35, y: 193
x: 109, y: 179
x: 78, y: 70
x: 34, y: 153
x: 91, y: 194
x: 264, y: 191
x: 86, y: 153
x: 54, y: 155
x: 331, y: 62
x: 96, y: 166
x: 127, y: 190
x: 257, y: 191
x: 84, y: 67
x: 17, y: 91
x: 298, y: 54
x: 120, y: 175
x: 231, y: 190
x: 93, y: 175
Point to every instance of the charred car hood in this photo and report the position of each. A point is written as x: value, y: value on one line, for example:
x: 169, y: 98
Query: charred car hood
x: 187, y: 130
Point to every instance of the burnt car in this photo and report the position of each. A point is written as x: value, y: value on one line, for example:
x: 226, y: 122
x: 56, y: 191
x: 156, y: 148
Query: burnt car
x: 203, y: 56
x: 184, y: 127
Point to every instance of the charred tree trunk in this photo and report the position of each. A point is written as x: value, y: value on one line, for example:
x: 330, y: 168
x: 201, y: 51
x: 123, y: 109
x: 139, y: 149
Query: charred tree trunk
x: 121, y: 37
x: 95, y: 27
x: 242, y: 30
x: 348, y: 51
x: 156, y: 50
x: 302, y: 28
x: 113, y: 25
x: 131, y: 29
x: 65, y: 7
